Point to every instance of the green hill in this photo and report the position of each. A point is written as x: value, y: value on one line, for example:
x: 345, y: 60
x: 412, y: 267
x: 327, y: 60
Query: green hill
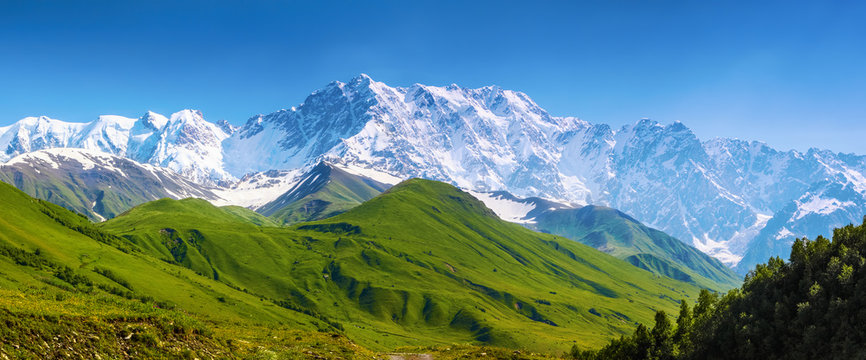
x: 68, y: 289
x: 323, y: 192
x: 423, y: 263
x: 620, y: 235
x: 95, y: 184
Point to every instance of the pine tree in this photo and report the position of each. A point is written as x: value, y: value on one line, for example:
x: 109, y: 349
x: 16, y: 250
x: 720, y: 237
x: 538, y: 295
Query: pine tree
x: 682, y: 343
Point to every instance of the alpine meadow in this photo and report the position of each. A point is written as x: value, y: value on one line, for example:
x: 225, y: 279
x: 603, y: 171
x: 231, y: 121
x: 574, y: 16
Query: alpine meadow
x: 432, y: 180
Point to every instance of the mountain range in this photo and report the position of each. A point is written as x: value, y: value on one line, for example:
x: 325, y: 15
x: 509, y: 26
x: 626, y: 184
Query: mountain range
x: 739, y: 201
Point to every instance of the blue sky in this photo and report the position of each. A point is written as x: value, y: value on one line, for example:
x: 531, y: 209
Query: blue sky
x: 791, y: 74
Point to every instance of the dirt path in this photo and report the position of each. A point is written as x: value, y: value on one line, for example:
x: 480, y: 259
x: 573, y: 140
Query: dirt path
x: 404, y: 356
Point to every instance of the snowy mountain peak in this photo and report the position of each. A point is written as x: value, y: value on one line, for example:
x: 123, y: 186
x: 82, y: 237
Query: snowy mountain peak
x: 116, y: 121
x: 185, y: 142
x: 189, y: 145
x: 153, y: 120
x: 226, y: 127
x: 108, y: 133
x: 362, y: 79
x: 476, y: 138
x: 34, y: 133
x: 187, y: 116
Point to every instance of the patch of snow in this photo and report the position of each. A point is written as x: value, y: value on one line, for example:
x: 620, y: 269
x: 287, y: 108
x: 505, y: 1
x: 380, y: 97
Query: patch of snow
x: 730, y: 251
x: 28, y: 158
x: 819, y: 205
x: 717, y: 249
x: 258, y: 189
x: 376, y: 175
x: 784, y: 233
x: 508, y: 210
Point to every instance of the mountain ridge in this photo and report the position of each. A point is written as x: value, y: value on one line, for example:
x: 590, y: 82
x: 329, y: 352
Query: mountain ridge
x: 715, y: 194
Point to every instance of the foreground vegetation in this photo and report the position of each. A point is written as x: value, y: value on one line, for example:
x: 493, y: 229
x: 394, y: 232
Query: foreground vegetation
x: 812, y: 307
x: 46, y: 322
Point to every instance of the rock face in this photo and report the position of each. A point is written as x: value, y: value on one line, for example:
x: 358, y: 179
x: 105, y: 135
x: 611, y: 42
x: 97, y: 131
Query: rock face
x: 719, y: 195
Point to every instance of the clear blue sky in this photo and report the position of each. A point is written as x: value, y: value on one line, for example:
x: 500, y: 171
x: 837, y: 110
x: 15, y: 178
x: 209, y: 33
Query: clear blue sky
x: 791, y: 74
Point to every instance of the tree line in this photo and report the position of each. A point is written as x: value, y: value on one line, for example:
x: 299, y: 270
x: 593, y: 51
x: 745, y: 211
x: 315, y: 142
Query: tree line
x: 810, y: 307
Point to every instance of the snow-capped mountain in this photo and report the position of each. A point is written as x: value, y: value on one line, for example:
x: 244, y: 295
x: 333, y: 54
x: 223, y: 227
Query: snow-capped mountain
x: 95, y: 183
x: 184, y: 142
x: 718, y: 195
x: 36, y: 133
x: 826, y: 205
x: 486, y: 138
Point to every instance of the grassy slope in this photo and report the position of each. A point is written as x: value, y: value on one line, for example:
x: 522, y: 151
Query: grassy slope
x: 108, y: 193
x: 423, y: 263
x: 142, y: 307
x: 52, y: 190
x: 26, y: 226
x: 45, y: 317
x: 618, y: 234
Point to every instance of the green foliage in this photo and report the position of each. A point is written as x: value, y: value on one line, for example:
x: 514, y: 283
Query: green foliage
x: 681, y: 338
x: 616, y: 233
x: 71, y: 298
x: 809, y: 308
x: 662, y: 344
x: 114, y: 277
x: 82, y: 225
x: 25, y: 258
x: 66, y: 274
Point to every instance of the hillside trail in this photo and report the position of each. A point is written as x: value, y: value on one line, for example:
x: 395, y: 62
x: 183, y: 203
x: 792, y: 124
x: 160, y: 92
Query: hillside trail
x: 405, y: 356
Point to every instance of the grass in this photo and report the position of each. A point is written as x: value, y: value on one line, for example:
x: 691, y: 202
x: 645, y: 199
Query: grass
x: 65, y: 294
x: 423, y: 264
x: 618, y: 234
x: 109, y: 193
x: 26, y: 227
x: 47, y: 322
